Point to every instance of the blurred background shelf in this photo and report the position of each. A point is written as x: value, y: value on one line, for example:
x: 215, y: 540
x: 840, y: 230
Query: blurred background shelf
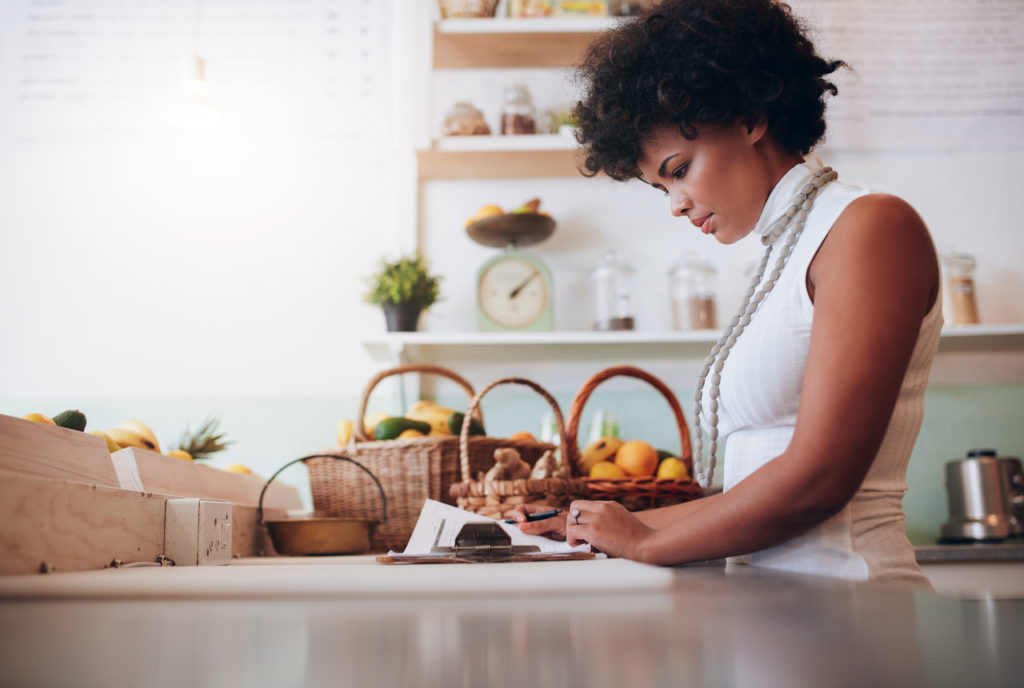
x: 506, y: 43
x: 395, y: 346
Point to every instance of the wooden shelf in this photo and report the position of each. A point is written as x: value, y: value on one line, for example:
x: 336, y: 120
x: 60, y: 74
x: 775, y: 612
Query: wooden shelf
x: 508, y: 43
x: 498, y: 143
x: 497, y: 164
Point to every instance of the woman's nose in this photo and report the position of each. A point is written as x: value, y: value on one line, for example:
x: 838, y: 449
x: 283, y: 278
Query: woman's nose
x: 679, y: 203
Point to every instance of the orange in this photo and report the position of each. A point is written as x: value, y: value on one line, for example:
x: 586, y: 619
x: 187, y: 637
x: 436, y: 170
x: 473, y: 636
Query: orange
x: 637, y: 458
x: 39, y: 418
x: 607, y: 469
x: 522, y: 436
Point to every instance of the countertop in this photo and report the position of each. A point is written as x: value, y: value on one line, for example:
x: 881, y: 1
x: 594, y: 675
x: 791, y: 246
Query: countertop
x: 689, y: 626
x: 1009, y: 550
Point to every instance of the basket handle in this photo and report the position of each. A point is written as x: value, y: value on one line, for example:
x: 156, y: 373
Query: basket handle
x: 383, y: 498
x: 359, y: 430
x: 474, y: 405
x: 576, y: 409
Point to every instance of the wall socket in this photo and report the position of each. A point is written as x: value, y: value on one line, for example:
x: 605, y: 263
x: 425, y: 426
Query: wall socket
x: 197, y: 532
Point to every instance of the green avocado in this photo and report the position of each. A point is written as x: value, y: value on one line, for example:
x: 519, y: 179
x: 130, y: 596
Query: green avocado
x: 390, y: 428
x: 73, y: 420
x: 455, y: 425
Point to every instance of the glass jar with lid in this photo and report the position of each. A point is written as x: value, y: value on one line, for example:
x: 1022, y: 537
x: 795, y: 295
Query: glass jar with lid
x: 464, y: 120
x: 517, y: 112
x: 611, y: 283
x: 960, y: 306
x: 692, y: 287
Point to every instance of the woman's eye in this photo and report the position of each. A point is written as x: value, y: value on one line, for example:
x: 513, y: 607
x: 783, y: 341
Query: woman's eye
x: 680, y: 172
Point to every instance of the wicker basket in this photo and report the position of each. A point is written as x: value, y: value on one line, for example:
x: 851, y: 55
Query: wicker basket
x: 410, y: 470
x: 451, y: 9
x: 498, y: 498
x: 634, y: 493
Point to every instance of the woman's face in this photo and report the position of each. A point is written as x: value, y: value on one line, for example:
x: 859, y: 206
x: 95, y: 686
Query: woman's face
x: 719, y: 181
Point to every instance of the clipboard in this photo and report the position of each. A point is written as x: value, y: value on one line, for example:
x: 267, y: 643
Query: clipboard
x: 481, y: 542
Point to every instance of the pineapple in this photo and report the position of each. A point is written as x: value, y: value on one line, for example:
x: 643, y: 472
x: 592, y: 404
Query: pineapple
x: 205, y: 441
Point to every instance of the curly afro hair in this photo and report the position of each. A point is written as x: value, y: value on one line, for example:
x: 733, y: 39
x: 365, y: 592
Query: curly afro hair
x: 699, y: 62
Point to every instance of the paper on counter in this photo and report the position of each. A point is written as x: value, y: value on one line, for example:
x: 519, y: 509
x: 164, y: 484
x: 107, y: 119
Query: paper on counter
x: 439, y: 524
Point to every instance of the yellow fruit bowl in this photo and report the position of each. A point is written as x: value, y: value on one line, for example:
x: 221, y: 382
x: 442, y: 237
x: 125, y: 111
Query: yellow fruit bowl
x: 517, y: 229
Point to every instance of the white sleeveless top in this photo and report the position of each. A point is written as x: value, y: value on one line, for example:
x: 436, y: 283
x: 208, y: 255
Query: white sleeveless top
x: 760, y: 395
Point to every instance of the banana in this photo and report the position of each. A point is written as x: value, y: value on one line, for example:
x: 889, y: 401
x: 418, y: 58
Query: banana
x: 429, y: 412
x: 602, y: 450
x: 129, y: 438
x: 343, y: 431
x: 141, y: 428
x: 112, y: 446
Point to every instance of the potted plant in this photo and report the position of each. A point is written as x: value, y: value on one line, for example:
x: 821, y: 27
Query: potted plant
x: 403, y: 288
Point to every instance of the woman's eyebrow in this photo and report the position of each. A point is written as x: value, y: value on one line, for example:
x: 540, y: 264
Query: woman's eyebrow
x: 663, y: 170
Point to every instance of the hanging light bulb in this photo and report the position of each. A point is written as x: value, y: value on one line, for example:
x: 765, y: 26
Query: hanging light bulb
x: 193, y: 109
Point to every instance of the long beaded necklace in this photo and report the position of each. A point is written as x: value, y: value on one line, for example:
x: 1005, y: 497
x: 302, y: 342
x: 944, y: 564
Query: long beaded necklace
x: 793, y: 219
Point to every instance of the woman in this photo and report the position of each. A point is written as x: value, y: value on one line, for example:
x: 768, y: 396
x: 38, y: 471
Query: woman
x: 716, y: 104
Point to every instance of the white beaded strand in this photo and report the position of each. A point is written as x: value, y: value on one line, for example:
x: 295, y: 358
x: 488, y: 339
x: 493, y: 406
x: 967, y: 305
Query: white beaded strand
x: 794, y: 217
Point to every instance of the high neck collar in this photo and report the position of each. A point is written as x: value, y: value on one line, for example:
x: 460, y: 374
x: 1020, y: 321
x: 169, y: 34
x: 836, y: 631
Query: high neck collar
x: 782, y: 195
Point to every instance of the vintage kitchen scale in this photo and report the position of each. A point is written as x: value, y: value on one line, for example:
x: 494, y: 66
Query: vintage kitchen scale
x: 320, y: 535
x: 514, y: 291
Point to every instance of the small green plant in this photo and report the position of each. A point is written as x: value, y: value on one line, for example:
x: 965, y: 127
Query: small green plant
x: 406, y: 280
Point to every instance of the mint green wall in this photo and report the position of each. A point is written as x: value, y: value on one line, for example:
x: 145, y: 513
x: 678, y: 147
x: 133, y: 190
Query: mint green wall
x: 271, y: 431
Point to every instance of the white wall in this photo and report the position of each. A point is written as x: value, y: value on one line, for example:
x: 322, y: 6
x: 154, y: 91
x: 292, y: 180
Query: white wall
x: 204, y: 266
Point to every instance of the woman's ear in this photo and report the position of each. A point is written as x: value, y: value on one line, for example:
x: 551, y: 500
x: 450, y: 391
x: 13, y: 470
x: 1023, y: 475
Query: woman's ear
x: 756, y: 128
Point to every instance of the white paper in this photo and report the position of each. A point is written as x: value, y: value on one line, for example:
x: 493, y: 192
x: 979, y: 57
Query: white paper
x: 439, y: 524
x: 126, y: 470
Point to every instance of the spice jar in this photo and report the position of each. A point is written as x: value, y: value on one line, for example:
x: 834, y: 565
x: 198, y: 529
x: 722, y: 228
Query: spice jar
x: 692, y: 287
x: 464, y: 120
x: 611, y: 282
x: 517, y: 113
x: 959, y: 304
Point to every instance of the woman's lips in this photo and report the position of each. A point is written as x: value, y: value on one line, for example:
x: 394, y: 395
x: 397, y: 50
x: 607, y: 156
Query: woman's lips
x: 703, y: 223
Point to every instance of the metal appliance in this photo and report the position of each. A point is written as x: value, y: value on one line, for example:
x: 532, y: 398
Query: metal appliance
x: 985, y: 496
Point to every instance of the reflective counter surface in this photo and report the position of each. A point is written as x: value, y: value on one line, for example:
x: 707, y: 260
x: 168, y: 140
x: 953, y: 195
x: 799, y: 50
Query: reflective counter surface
x: 707, y: 627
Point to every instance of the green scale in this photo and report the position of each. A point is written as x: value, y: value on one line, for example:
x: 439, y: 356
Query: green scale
x: 513, y: 292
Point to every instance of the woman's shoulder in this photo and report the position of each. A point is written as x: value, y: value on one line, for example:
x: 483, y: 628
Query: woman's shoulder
x: 876, y: 233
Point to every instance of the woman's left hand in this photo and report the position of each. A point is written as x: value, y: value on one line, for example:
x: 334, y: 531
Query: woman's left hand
x: 608, y: 527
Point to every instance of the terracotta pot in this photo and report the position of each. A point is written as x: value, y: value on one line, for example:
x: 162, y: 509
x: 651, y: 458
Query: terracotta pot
x: 402, y: 317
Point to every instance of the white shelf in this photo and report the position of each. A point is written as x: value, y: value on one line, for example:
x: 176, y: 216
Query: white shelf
x: 531, y: 142
x: 396, y: 346
x: 526, y: 25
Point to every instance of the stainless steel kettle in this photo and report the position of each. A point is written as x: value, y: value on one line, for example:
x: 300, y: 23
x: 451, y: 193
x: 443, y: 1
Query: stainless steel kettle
x: 985, y: 493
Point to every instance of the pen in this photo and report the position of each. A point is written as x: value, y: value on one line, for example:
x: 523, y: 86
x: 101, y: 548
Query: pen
x: 538, y: 516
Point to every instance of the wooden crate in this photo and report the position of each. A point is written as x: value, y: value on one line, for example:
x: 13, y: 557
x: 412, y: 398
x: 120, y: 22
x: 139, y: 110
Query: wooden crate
x: 46, y: 522
x: 166, y: 475
x: 48, y: 451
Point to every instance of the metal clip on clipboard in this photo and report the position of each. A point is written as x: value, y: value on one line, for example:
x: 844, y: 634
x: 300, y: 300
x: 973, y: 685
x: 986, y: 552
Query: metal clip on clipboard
x: 481, y: 542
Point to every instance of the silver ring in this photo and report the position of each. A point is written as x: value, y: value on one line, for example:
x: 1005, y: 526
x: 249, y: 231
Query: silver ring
x: 575, y: 513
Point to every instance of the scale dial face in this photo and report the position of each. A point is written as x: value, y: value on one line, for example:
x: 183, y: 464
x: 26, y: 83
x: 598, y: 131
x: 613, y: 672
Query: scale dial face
x: 514, y: 292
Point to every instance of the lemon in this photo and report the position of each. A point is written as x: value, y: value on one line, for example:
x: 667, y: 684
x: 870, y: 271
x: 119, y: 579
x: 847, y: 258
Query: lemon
x: 607, y: 469
x: 39, y: 418
x: 673, y: 468
x: 238, y: 468
x: 179, y: 454
x: 406, y: 434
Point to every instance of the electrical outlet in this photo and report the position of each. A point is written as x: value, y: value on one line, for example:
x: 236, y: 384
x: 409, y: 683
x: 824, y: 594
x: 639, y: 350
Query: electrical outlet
x: 197, y: 531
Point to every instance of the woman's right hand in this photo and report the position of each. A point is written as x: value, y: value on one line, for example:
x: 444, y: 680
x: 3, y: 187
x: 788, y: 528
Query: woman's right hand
x: 553, y: 528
